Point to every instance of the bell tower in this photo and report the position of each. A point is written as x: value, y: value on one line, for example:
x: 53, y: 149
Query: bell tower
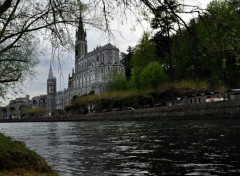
x: 51, y: 91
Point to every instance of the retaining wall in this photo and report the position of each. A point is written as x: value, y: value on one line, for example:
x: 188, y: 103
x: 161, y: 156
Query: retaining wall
x: 214, y: 110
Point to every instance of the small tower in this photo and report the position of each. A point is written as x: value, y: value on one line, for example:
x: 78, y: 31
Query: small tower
x: 51, y: 91
x: 81, y: 41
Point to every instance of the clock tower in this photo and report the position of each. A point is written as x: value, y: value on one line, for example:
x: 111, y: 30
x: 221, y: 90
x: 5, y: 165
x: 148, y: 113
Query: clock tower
x: 51, y: 91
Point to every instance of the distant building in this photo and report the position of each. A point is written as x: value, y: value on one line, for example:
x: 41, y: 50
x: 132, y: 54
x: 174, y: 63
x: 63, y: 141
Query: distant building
x: 13, y: 109
x: 51, y: 91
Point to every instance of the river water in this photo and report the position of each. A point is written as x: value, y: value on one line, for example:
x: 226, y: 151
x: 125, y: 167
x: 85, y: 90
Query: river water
x: 201, y: 147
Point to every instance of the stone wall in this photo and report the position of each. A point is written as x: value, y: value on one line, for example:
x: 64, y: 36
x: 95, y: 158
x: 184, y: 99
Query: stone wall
x: 214, y: 110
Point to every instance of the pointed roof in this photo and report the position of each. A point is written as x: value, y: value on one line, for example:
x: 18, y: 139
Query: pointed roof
x: 50, y: 73
x: 80, y: 24
x: 108, y: 46
x: 81, y: 33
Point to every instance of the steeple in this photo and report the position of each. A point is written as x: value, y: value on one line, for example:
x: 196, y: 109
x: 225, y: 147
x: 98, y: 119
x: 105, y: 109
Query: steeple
x: 81, y: 33
x: 81, y: 41
x: 50, y: 73
x: 51, y: 91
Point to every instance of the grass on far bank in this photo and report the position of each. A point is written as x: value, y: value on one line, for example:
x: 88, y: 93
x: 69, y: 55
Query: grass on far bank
x: 182, y: 88
x: 17, y: 160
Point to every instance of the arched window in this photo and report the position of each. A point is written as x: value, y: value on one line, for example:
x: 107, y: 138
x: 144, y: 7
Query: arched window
x: 103, y: 58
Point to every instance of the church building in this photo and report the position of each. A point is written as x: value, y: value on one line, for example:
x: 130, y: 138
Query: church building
x: 91, y: 69
x: 90, y: 74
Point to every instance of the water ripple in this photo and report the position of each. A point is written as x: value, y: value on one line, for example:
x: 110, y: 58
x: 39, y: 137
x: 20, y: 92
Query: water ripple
x: 135, y: 148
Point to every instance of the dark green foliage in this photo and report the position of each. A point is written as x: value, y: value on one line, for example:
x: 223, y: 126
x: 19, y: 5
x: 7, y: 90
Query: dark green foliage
x: 135, y: 81
x: 152, y: 75
x: 126, y: 61
x: 117, y: 82
x: 145, y: 52
x: 214, y: 57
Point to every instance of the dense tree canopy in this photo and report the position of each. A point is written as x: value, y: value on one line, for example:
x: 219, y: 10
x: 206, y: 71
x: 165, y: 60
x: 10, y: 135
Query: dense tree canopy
x: 218, y: 61
x: 152, y: 75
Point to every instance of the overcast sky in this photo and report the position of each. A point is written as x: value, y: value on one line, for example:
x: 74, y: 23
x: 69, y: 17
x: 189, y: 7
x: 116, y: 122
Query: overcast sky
x: 122, y: 39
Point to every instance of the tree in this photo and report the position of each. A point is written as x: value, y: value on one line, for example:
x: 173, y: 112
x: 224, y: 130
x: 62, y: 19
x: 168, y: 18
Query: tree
x: 135, y: 81
x: 23, y: 23
x: 126, y: 61
x: 164, y: 22
x: 145, y: 52
x: 152, y: 75
x: 117, y: 81
x: 217, y: 31
x: 224, y: 23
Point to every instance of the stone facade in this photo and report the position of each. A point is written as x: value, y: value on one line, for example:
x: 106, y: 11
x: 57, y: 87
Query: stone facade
x: 13, y: 109
x: 51, y: 91
x: 91, y: 68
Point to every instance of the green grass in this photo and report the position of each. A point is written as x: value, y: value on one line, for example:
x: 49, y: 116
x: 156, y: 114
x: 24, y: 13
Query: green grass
x: 17, y: 159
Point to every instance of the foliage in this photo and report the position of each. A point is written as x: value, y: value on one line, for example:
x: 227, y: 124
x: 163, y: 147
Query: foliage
x: 214, y: 57
x: 117, y: 81
x: 18, y: 160
x: 34, y: 112
x: 23, y: 24
x: 144, y: 52
x: 109, y: 101
x: 126, y: 61
x: 164, y: 22
x: 135, y: 81
x: 152, y: 75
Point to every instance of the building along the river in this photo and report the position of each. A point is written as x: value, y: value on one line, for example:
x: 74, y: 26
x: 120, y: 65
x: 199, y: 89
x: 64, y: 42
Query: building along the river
x: 89, y: 74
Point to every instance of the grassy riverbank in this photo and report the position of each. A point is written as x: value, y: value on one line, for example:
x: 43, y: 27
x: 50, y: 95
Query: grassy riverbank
x: 17, y: 159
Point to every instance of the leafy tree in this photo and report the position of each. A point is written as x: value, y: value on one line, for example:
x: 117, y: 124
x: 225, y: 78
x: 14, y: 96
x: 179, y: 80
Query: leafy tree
x: 135, y: 81
x: 23, y: 24
x: 126, y: 61
x: 224, y: 17
x: 37, y: 112
x: 145, y: 52
x: 152, y: 75
x: 216, y: 31
x: 164, y: 22
x: 117, y: 82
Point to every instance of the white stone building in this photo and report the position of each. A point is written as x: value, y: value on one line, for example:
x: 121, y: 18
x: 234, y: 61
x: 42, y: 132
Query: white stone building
x: 91, y: 69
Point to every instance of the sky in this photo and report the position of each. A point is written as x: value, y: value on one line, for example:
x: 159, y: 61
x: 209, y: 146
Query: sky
x: 123, y: 36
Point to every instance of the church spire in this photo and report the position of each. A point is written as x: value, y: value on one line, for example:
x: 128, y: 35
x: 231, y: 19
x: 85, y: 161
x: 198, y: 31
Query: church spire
x: 50, y: 73
x: 81, y: 33
x: 81, y: 41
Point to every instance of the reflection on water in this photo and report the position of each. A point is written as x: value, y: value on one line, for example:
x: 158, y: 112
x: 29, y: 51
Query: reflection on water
x: 135, y: 148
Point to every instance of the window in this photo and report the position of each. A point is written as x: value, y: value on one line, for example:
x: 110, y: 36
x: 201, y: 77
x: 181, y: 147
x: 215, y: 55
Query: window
x: 103, y: 58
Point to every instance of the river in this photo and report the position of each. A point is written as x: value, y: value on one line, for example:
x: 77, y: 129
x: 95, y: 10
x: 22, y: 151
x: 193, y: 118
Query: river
x: 188, y: 147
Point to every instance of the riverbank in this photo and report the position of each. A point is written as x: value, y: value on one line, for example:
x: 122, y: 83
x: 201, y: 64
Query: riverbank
x: 17, y: 160
x: 222, y: 109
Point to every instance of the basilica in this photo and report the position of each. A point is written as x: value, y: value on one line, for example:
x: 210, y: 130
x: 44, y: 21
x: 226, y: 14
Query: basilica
x: 90, y: 74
